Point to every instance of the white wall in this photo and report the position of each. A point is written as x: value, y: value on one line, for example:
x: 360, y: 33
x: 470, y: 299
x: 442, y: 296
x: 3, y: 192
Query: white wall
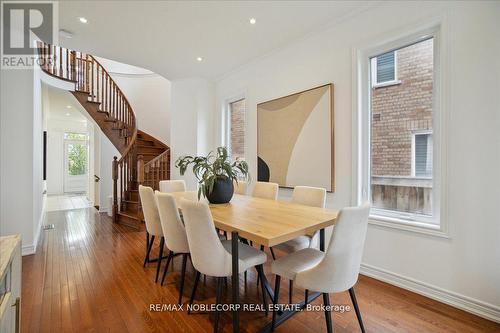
x: 192, y: 114
x: 21, y: 142
x: 149, y: 95
x: 465, y: 269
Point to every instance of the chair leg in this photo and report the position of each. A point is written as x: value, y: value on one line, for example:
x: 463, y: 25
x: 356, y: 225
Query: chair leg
x: 162, y: 243
x: 272, y: 253
x: 183, y: 274
x: 218, y: 293
x: 170, y: 256
x: 356, y: 308
x: 306, y: 297
x: 290, y: 292
x: 149, y: 246
x: 328, y: 315
x: 276, y: 300
x: 191, y: 299
x: 260, y: 271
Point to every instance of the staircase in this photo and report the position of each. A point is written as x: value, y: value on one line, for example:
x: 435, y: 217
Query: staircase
x: 144, y: 159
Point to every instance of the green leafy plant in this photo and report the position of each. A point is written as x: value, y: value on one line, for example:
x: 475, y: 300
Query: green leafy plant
x: 207, y: 169
x: 77, y: 160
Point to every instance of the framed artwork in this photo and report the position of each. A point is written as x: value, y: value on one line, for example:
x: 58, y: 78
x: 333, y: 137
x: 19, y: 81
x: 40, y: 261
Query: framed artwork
x: 295, y: 139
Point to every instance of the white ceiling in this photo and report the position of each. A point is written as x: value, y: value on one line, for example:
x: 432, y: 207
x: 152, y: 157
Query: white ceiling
x: 167, y: 36
x: 63, y: 105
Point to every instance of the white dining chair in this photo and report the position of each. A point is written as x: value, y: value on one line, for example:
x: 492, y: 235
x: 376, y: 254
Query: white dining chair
x: 240, y: 187
x: 172, y: 186
x: 174, y: 234
x: 333, y: 271
x: 210, y: 255
x: 265, y: 190
x: 153, y: 224
x: 309, y: 196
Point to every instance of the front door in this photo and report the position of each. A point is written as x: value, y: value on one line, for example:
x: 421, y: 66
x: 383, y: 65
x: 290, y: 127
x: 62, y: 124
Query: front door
x: 76, y: 151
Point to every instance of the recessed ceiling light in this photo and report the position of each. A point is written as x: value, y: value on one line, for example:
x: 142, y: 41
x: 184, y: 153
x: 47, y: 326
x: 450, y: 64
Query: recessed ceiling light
x: 83, y: 19
x: 253, y: 20
x: 68, y: 106
x: 199, y: 59
x: 68, y: 114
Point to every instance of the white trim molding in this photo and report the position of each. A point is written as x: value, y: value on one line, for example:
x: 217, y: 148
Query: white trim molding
x: 468, y: 304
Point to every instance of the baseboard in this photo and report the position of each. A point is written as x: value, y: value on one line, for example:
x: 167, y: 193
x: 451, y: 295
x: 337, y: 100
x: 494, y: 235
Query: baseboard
x: 103, y: 209
x: 477, y: 307
x: 27, y: 250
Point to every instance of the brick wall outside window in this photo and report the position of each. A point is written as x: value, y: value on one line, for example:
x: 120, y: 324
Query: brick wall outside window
x: 400, y: 110
x: 237, y: 135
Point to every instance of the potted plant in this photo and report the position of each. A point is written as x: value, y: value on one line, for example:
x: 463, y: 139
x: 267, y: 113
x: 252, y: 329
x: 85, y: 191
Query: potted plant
x: 215, y: 174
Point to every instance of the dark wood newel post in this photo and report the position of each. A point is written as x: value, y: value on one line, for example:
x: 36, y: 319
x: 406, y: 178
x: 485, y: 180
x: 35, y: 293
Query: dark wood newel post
x: 115, y: 189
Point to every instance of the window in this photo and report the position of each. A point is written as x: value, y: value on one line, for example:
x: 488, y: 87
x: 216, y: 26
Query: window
x: 422, y: 155
x: 399, y: 150
x: 236, y: 128
x: 384, y: 69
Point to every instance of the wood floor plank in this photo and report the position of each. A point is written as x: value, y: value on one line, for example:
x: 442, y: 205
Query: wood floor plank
x: 87, y: 276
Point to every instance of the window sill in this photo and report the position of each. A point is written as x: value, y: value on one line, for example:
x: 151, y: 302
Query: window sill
x: 411, y: 226
x: 386, y: 84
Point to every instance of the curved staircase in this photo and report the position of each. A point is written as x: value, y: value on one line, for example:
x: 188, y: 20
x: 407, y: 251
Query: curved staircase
x: 144, y: 159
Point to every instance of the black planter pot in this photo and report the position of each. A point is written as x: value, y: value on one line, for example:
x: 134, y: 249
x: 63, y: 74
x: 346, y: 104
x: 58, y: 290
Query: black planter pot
x: 222, y: 192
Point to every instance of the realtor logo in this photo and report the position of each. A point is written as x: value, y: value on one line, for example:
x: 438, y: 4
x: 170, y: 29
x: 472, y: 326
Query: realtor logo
x: 22, y: 24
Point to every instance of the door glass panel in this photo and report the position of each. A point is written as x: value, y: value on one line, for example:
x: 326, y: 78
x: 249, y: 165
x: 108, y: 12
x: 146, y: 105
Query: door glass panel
x: 77, y: 159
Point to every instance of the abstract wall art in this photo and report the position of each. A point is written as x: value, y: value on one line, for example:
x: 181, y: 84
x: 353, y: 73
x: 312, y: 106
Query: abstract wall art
x: 295, y: 139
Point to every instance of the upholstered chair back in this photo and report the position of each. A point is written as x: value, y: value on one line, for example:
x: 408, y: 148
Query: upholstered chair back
x: 171, y: 223
x: 309, y: 196
x: 207, y: 252
x: 265, y: 190
x: 240, y: 187
x: 151, y: 216
x: 172, y: 186
x: 339, y: 269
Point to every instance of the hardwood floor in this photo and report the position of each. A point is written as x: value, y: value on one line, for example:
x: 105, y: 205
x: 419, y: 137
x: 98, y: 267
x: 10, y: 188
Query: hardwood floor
x: 87, y: 275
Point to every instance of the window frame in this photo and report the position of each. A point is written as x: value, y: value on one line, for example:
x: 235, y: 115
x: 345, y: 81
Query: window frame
x: 227, y: 122
x: 374, y: 65
x: 414, y: 153
x: 438, y: 225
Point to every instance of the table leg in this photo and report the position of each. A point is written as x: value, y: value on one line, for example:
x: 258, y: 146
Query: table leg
x: 322, y: 240
x: 235, y: 281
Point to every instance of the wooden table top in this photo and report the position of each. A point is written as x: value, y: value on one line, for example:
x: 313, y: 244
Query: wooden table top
x: 264, y: 221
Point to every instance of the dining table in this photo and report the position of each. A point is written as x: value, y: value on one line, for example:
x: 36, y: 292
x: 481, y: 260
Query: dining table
x: 265, y: 222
